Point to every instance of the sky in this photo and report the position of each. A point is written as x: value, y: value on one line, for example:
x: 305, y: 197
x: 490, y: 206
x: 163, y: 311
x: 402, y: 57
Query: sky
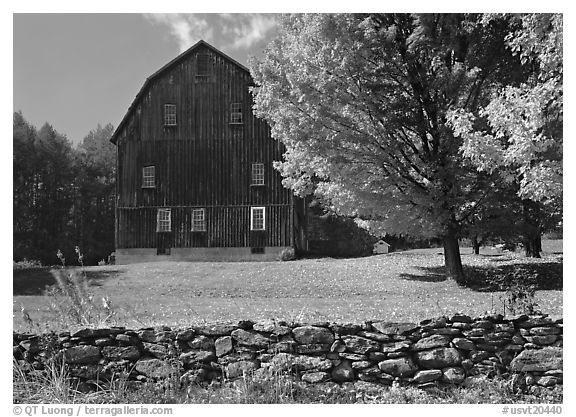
x: 76, y: 71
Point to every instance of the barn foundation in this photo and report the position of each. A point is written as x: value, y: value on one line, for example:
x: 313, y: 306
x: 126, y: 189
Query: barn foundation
x: 230, y: 254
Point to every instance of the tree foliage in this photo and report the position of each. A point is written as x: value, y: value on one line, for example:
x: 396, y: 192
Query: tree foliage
x: 518, y: 133
x: 362, y: 103
x: 62, y: 197
x: 95, y: 207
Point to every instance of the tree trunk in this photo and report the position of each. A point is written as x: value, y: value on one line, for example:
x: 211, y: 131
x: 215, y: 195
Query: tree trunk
x: 532, y: 246
x: 475, y: 245
x: 532, y: 239
x: 452, y: 259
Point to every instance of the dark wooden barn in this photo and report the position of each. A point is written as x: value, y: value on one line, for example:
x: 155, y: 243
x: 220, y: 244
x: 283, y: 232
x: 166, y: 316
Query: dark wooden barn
x: 195, y: 179
x: 195, y: 176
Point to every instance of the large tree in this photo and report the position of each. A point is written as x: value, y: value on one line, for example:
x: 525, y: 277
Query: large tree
x: 361, y: 103
x: 518, y: 133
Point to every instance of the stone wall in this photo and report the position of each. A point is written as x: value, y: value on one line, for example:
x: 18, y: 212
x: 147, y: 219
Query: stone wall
x: 445, y: 350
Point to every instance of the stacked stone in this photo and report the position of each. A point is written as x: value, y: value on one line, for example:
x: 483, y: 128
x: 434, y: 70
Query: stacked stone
x: 442, y: 350
x: 540, y: 363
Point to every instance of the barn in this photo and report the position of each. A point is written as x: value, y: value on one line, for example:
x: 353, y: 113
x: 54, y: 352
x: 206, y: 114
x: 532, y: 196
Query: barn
x: 195, y: 177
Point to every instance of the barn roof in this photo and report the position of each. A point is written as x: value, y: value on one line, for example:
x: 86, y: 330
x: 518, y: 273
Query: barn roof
x: 161, y: 71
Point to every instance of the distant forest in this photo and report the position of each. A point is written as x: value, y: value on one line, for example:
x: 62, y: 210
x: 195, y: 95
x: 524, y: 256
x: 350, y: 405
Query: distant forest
x: 63, y: 194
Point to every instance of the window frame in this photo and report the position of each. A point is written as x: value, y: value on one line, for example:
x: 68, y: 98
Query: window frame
x: 170, y: 115
x: 253, y: 210
x: 146, y: 177
x: 193, y: 220
x: 236, y: 114
x: 159, y: 225
x: 207, y: 68
x: 257, y: 174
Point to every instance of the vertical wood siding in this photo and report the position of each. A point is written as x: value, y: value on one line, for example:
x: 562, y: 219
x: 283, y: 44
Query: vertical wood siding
x: 202, y: 162
x: 225, y: 227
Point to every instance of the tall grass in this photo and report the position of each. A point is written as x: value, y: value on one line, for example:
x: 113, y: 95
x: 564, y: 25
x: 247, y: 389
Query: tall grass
x: 49, y: 385
x: 53, y: 385
x: 72, y: 300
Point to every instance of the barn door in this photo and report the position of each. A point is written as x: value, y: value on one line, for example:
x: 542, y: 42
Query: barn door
x: 164, y: 243
x: 163, y: 231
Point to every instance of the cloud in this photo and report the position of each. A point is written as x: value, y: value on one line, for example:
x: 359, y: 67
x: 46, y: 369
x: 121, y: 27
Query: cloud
x: 251, y: 29
x: 224, y: 30
x: 186, y: 28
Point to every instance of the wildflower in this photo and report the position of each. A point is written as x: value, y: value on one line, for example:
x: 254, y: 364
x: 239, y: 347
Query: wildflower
x: 25, y: 315
x: 61, y: 256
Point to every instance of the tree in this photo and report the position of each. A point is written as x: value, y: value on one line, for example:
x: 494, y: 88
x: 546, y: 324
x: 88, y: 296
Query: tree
x: 23, y: 185
x: 53, y: 193
x: 518, y: 133
x: 63, y: 197
x: 95, y: 199
x: 361, y: 103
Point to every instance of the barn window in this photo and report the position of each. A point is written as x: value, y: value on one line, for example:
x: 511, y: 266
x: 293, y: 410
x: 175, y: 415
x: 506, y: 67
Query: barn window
x: 169, y: 114
x: 236, y: 113
x: 257, y: 174
x: 257, y: 218
x: 149, y: 176
x: 203, y: 65
x: 164, y: 221
x: 198, y: 220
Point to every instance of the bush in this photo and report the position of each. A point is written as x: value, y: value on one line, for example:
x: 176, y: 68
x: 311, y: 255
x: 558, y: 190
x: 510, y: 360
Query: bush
x: 520, y: 292
x: 27, y: 264
x: 288, y: 254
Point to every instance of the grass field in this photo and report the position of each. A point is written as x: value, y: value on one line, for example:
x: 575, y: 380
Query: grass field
x: 402, y: 286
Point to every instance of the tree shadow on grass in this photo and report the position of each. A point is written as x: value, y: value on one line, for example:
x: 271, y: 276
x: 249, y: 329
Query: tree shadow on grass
x: 429, y: 274
x: 35, y: 281
x: 543, y: 276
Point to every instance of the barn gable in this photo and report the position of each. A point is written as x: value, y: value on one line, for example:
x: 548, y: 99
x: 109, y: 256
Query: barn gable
x: 168, y: 72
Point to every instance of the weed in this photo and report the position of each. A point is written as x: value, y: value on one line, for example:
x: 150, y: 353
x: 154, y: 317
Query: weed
x: 72, y: 300
x: 30, y: 325
x: 50, y: 385
x: 520, y: 293
x: 266, y: 386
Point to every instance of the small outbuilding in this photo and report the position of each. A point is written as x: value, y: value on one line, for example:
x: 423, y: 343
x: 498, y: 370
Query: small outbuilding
x: 381, y: 247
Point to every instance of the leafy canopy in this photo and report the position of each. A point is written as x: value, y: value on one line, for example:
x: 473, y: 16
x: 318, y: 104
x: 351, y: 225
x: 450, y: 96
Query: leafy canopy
x: 518, y: 133
x: 361, y: 101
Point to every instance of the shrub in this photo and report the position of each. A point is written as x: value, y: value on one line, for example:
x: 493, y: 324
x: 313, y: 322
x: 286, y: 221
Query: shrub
x: 520, y: 292
x: 288, y: 254
x: 27, y: 264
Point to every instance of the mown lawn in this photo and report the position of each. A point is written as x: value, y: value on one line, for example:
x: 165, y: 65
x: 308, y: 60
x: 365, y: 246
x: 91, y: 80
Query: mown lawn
x: 402, y: 286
